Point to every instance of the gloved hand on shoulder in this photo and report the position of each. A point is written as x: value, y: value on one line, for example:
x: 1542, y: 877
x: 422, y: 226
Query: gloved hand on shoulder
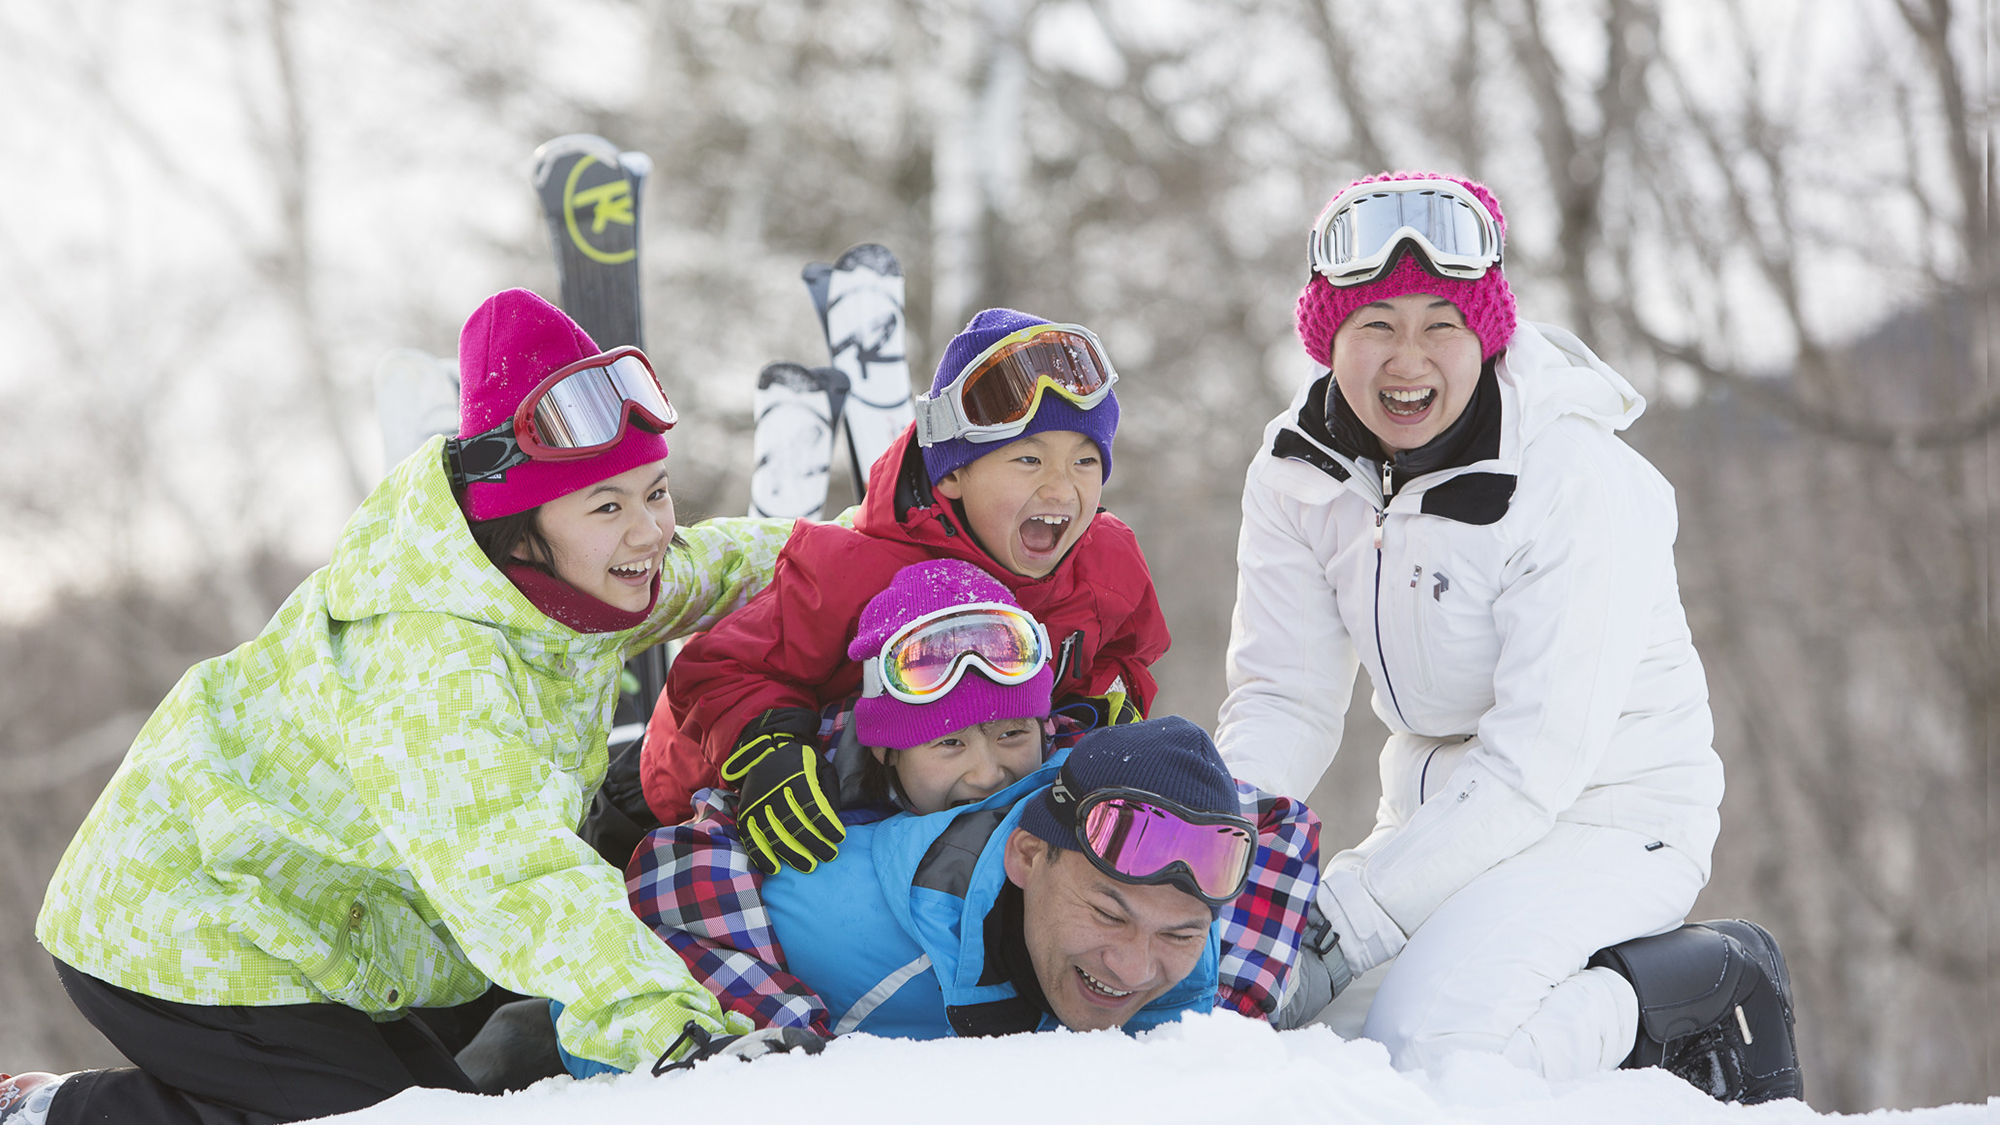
x: 755, y: 1045
x: 789, y: 796
x: 1113, y: 708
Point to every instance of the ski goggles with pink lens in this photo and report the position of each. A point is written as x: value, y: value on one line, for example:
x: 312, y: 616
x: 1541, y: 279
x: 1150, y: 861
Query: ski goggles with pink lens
x: 580, y: 410
x: 1362, y: 233
x: 996, y: 395
x: 925, y: 659
x: 1143, y: 838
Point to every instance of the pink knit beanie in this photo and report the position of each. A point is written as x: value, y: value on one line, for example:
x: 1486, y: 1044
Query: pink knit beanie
x: 918, y: 589
x: 510, y: 344
x: 1487, y: 303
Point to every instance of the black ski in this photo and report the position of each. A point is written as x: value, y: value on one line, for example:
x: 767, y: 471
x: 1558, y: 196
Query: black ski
x: 590, y: 195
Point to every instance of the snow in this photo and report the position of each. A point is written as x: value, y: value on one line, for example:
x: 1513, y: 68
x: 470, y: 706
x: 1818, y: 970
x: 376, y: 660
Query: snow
x: 1212, y: 1068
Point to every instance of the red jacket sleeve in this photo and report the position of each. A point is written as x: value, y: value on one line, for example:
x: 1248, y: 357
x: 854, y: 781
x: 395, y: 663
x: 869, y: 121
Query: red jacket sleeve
x: 786, y: 648
x: 1133, y: 635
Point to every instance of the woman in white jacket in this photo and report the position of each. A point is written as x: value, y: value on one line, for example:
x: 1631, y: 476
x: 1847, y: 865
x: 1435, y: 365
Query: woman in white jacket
x: 1450, y: 507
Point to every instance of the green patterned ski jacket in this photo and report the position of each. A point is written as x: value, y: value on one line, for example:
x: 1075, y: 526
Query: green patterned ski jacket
x: 373, y: 803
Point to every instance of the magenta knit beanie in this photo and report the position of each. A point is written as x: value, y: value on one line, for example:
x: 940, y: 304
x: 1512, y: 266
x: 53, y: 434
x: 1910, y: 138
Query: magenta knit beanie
x: 1487, y: 303
x: 988, y: 327
x: 918, y: 589
x: 510, y: 344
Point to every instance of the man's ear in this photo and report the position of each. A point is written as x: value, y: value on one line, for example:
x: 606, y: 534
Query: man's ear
x: 952, y: 487
x: 1024, y: 854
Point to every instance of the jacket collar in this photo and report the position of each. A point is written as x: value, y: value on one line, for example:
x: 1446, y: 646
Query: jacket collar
x: 1326, y: 434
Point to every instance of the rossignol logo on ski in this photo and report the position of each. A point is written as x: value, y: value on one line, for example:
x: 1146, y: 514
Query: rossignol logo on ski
x: 608, y: 203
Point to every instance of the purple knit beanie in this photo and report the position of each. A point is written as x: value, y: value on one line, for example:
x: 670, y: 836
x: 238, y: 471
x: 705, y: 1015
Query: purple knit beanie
x: 1168, y: 756
x: 918, y: 589
x: 511, y: 343
x: 1487, y: 303
x: 1099, y: 424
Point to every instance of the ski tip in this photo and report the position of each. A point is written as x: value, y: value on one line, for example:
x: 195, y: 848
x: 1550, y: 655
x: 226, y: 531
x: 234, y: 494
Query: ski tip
x: 636, y: 164
x: 549, y: 153
x: 816, y: 273
x: 832, y: 378
x: 872, y: 255
x: 792, y: 376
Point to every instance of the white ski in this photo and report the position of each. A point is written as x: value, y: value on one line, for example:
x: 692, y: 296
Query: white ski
x: 796, y: 408
x: 860, y: 303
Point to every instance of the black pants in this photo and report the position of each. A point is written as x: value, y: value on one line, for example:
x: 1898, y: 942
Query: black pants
x: 222, y: 1065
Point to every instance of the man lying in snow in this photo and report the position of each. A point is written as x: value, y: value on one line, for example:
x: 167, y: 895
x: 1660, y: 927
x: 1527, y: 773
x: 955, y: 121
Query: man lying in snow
x: 1085, y: 895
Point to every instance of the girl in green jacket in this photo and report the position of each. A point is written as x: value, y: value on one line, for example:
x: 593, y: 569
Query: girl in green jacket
x: 371, y: 807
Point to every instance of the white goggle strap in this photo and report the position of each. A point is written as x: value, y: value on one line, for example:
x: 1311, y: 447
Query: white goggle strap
x: 871, y: 678
x: 938, y: 419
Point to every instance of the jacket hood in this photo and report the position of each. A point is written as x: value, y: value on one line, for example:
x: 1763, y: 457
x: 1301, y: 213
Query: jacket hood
x: 408, y: 549
x: 1552, y: 374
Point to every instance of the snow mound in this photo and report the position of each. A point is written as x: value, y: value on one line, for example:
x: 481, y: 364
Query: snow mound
x: 1212, y: 1068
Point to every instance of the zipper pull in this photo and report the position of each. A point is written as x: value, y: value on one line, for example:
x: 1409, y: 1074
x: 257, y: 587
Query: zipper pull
x: 1388, y: 489
x: 1415, y: 577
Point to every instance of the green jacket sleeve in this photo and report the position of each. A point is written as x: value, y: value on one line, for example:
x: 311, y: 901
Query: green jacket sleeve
x: 717, y: 566
x: 463, y: 777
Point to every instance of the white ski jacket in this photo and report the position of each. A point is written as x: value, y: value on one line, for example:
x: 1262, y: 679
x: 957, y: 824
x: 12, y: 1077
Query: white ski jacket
x: 1520, y: 621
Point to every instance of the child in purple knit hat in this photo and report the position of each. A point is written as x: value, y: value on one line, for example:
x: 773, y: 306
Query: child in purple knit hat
x: 978, y: 735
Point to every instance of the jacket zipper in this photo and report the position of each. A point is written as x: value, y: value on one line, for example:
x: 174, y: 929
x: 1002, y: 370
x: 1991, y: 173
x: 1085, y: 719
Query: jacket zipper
x: 1381, y: 515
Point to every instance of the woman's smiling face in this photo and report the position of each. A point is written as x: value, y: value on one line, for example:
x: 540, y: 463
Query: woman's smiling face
x: 608, y: 538
x: 1406, y: 366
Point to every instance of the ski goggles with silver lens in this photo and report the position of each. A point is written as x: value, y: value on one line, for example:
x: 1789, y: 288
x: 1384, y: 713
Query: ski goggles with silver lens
x: 1361, y: 233
x: 926, y: 658
x: 996, y: 395
x: 1144, y: 838
x: 579, y: 411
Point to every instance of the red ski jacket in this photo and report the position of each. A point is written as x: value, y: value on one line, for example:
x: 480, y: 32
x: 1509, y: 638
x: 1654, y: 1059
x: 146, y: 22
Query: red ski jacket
x: 788, y: 646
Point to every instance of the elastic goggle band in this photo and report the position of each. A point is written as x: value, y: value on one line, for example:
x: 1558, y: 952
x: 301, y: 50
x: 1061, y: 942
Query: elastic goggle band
x: 578, y: 411
x: 997, y: 393
x: 1359, y: 235
x: 1143, y: 838
x: 925, y: 659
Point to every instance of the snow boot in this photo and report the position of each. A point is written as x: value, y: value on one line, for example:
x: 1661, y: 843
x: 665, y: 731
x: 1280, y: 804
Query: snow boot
x: 25, y: 1098
x: 1715, y: 1009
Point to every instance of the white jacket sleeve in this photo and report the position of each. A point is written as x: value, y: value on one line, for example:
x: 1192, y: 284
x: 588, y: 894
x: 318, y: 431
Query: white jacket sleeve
x: 1578, y: 594
x: 1290, y: 663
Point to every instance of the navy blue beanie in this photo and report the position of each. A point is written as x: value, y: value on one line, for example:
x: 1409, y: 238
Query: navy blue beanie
x: 988, y: 327
x: 1168, y: 756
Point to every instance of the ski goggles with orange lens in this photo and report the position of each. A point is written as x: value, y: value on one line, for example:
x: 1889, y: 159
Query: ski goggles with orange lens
x: 1144, y: 838
x: 925, y: 659
x: 1360, y: 235
x: 579, y: 411
x: 996, y: 395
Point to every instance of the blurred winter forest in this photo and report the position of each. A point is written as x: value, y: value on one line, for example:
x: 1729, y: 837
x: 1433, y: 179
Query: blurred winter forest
x: 217, y: 216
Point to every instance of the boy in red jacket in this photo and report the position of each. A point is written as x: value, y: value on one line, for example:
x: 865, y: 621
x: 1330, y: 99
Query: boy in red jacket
x: 1003, y: 469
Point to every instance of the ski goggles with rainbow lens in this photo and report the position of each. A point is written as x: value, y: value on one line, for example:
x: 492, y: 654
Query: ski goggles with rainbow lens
x: 925, y: 659
x: 1144, y: 838
x: 996, y: 395
x: 579, y: 411
x: 1362, y: 233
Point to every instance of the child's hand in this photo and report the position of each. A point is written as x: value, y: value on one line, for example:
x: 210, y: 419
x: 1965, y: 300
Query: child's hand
x: 789, y: 809
x: 1113, y: 708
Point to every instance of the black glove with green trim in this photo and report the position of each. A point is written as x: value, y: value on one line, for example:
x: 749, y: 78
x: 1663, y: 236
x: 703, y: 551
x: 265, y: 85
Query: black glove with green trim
x: 1113, y: 708
x: 788, y: 796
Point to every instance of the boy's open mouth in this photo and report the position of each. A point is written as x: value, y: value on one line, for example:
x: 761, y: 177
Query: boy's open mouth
x: 1040, y: 534
x: 1409, y: 403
